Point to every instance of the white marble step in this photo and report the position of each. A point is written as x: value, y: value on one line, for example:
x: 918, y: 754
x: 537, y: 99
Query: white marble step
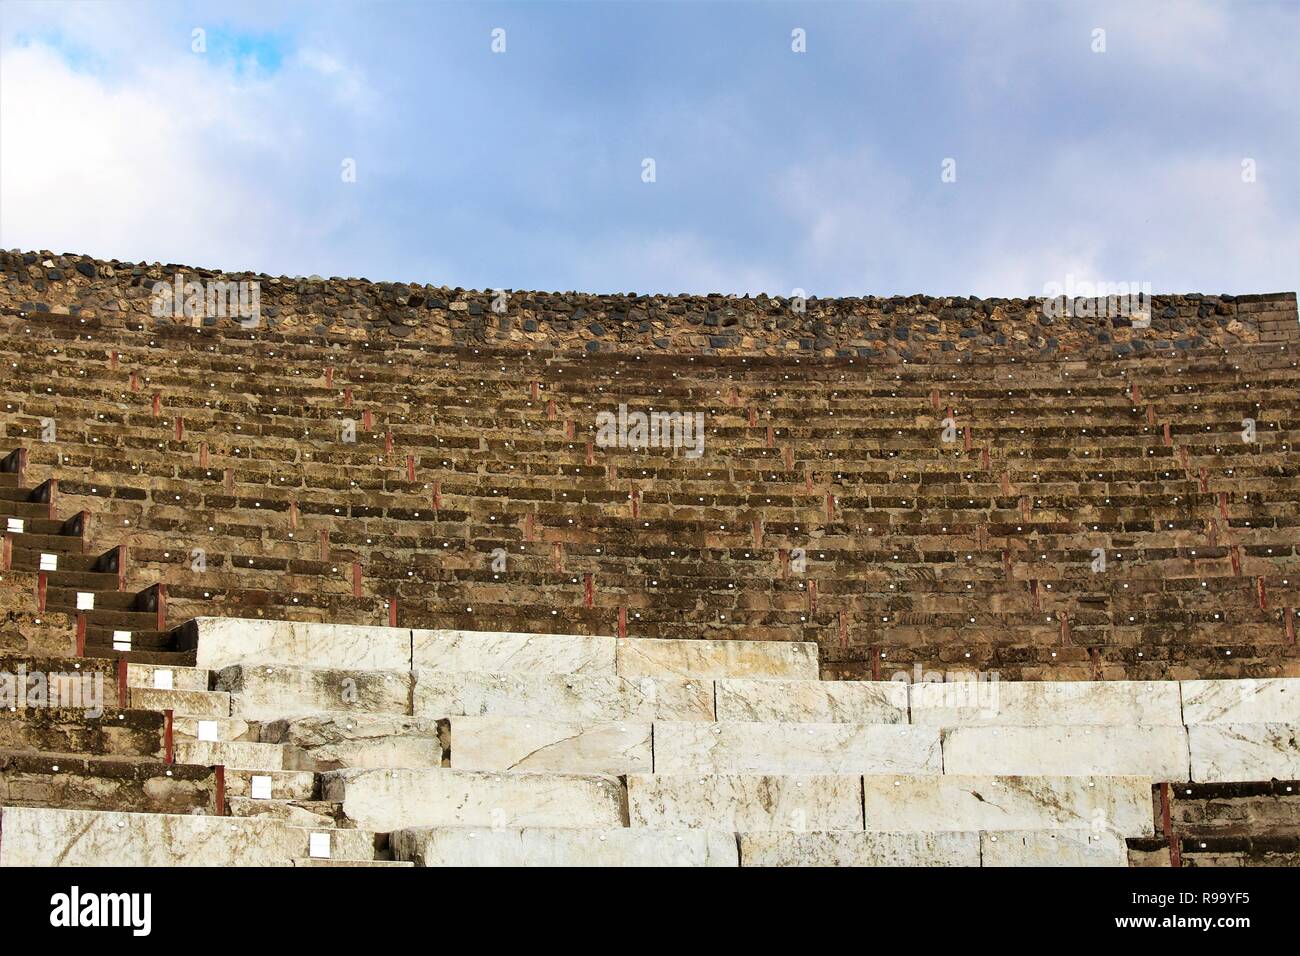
x: 271, y: 691
x: 335, y: 741
x: 745, y: 802
x: 39, y: 836
x: 554, y: 846
x: 190, y: 703
x: 530, y: 743
x: 222, y: 642
x: 814, y: 701
x: 238, y: 754
x: 1267, y: 700
x: 1230, y: 753
x: 788, y: 748
x: 577, y: 697
x: 393, y: 799
x: 1159, y: 752
x: 1031, y: 703
x: 933, y: 802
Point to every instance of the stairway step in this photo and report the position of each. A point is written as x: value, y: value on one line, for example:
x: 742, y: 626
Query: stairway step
x: 529, y: 743
x: 190, y: 703
x: 237, y: 754
x: 391, y: 799
x: 554, y: 846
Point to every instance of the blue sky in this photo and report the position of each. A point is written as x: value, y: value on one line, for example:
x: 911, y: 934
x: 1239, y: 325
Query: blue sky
x: 775, y: 170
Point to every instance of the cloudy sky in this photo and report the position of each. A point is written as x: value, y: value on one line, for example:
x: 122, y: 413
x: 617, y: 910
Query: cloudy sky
x: 774, y: 170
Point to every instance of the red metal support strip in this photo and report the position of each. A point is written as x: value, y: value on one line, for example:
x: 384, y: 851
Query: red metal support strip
x: 81, y: 635
x: 162, y: 607
x: 121, y: 567
x: 1167, y: 826
x: 157, y: 404
x: 356, y: 579
x: 7, y: 554
x: 180, y: 428
x: 392, y: 611
x: 410, y: 468
x: 42, y: 582
x: 168, y: 750
x: 588, y: 590
x: 220, y: 771
x: 622, y: 622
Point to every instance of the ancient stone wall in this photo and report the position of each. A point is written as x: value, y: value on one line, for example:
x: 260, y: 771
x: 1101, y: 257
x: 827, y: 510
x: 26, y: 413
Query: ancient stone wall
x: 913, y: 328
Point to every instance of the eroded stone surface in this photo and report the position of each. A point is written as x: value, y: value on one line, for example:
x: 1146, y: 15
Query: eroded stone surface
x: 743, y: 802
x: 1031, y: 703
x: 225, y: 641
x: 547, y: 846
x: 966, y: 802
x: 495, y: 652
x: 577, y: 697
x: 46, y: 837
x: 814, y: 701
x: 1223, y: 753
x: 845, y: 848
x: 746, y: 747
x: 1157, y: 752
x: 271, y: 691
x: 392, y: 799
x: 649, y: 657
x: 530, y: 743
x: 334, y: 741
x: 1270, y: 700
x: 1057, y: 848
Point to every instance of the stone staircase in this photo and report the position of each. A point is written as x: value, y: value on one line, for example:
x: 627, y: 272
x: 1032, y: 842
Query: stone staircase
x: 393, y: 745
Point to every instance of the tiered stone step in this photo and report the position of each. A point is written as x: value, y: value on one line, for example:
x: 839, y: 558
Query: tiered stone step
x: 47, y: 837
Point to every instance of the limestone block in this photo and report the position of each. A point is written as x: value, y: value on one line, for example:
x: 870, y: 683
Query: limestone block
x: 1036, y: 703
x: 743, y: 802
x: 191, y: 703
x: 1156, y: 752
x: 240, y: 754
x: 538, y: 846
x: 38, y: 836
x: 224, y: 728
x: 748, y: 747
x: 577, y: 697
x: 157, y: 676
x: 1053, y: 848
x: 847, y: 848
x: 652, y: 657
x: 393, y: 799
x: 1266, y: 700
x: 334, y: 741
x: 225, y: 641
x: 1227, y: 753
x: 965, y: 802
x: 495, y: 652
x: 268, y: 692
x: 813, y: 701
x: 530, y: 743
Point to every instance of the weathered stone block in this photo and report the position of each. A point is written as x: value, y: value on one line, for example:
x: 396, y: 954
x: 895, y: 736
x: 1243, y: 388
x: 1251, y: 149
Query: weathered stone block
x: 530, y: 743
x: 1224, y: 753
x: 393, y: 799
x: 648, y: 657
x: 745, y: 801
x: 221, y: 642
x: 1156, y: 752
x: 577, y: 697
x: 846, y: 848
x: 967, y: 802
x: 1059, y: 703
x: 735, y: 747
x: 1053, y: 848
x: 507, y: 653
x: 1268, y: 700
x: 814, y: 701
x: 538, y: 846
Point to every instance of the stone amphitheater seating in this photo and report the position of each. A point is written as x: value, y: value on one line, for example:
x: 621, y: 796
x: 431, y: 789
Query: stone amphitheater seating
x: 475, y: 635
x: 458, y: 747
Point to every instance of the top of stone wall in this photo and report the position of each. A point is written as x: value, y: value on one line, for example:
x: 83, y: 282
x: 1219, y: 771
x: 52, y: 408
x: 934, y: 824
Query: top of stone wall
x: 913, y: 328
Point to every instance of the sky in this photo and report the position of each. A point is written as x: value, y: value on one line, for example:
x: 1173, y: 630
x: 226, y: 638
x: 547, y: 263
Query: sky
x: 958, y: 148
